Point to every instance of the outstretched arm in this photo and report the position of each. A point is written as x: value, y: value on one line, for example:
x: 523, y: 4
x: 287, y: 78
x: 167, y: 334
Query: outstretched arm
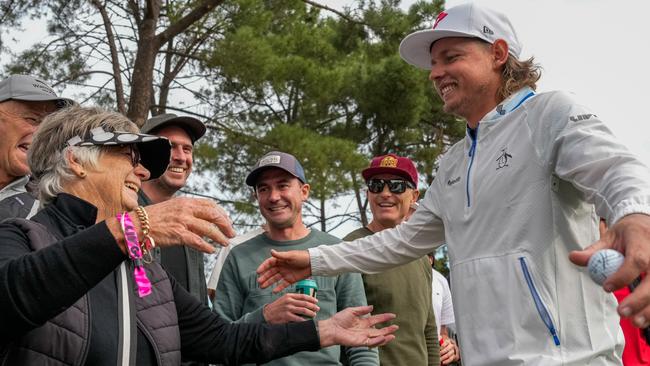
x: 355, y: 327
x: 284, y: 268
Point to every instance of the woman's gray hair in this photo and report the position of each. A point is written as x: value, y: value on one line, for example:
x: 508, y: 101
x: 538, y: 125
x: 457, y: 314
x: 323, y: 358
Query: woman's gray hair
x: 47, y: 153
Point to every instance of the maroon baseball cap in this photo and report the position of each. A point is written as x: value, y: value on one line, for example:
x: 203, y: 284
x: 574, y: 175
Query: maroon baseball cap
x: 392, y: 164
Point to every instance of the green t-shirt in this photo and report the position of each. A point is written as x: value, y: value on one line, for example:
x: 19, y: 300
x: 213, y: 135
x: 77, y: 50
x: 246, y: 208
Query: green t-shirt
x: 405, y: 291
x: 239, y: 297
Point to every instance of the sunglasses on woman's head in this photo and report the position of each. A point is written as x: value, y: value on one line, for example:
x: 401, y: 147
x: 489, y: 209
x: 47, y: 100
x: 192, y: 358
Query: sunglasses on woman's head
x: 394, y: 185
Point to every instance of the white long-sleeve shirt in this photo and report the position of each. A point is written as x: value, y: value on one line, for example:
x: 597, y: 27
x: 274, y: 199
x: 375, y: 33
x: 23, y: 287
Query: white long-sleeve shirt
x: 443, y: 306
x: 511, y: 203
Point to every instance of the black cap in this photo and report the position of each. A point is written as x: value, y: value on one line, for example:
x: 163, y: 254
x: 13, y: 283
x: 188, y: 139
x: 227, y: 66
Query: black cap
x: 194, y: 128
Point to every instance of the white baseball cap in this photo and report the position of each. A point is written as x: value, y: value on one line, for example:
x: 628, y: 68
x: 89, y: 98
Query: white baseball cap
x: 466, y: 20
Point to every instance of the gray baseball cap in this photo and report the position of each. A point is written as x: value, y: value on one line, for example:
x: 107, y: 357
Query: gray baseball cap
x: 276, y: 159
x: 193, y: 127
x: 29, y: 89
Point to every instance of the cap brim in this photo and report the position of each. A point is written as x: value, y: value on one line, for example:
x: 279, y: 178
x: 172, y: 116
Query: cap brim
x: 414, y: 48
x: 195, y: 128
x: 154, y: 155
x: 371, y: 172
x: 60, y: 102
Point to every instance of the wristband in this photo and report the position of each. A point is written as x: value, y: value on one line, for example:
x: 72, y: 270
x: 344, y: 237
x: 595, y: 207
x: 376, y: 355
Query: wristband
x: 133, y: 248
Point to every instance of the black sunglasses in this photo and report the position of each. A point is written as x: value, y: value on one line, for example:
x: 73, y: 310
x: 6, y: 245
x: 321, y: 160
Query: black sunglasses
x: 394, y: 185
x: 135, y: 155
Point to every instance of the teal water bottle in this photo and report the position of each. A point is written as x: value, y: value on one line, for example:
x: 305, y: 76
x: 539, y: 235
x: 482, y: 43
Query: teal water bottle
x: 307, y: 287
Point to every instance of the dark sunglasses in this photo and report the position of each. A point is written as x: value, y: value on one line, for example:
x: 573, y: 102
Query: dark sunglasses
x: 394, y: 185
x: 135, y: 155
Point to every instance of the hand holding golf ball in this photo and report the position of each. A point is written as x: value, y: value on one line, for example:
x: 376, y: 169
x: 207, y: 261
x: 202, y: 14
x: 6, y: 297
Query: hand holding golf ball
x: 603, y: 264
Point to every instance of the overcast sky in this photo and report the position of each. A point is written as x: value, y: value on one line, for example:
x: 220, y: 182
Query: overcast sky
x: 597, y: 49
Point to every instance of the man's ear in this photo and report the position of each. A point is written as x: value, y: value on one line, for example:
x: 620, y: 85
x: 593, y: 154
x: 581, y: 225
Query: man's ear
x: 416, y: 195
x: 500, y: 52
x: 305, y: 191
x: 75, y: 165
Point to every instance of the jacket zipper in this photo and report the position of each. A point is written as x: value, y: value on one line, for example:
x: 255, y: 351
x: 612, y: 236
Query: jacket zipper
x: 472, y: 152
x: 541, y: 308
x: 156, y: 351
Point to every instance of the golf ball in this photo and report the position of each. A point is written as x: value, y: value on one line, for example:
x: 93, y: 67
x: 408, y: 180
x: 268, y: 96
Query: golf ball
x: 603, y: 264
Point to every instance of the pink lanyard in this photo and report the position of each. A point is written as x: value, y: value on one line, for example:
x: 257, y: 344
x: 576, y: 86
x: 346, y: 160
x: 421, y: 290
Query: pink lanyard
x: 131, y: 238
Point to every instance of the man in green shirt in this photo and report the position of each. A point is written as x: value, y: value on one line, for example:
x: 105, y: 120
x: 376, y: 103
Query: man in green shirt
x: 280, y: 187
x: 405, y: 290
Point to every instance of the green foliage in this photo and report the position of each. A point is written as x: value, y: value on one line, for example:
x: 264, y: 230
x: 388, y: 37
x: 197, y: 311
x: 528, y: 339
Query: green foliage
x: 331, y: 91
x: 272, y: 74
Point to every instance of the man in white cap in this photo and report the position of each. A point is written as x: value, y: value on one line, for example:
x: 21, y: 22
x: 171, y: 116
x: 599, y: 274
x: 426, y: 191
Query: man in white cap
x: 518, y: 197
x: 24, y: 102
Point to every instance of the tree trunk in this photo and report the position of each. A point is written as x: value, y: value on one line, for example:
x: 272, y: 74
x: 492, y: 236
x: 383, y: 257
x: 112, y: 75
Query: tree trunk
x: 323, y: 223
x: 357, y: 195
x: 144, y: 63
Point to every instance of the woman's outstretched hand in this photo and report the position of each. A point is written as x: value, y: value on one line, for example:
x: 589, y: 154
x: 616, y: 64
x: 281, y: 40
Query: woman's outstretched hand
x: 182, y: 221
x: 355, y: 327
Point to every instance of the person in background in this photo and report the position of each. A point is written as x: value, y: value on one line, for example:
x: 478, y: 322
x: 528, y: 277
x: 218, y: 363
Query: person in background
x: 182, y: 262
x: 76, y: 287
x: 280, y: 187
x: 443, y: 308
x: 24, y: 102
x: 391, y: 183
x: 517, y: 202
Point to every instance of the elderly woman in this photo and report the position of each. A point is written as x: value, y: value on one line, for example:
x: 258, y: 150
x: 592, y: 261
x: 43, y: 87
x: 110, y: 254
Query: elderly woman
x: 76, y: 283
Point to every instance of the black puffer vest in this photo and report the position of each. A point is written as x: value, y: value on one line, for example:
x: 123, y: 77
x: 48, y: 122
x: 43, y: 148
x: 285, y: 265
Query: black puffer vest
x: 64, y: 339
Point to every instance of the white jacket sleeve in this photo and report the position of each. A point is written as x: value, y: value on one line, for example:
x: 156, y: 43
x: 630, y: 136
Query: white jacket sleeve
x: 420, y: 235
x: 587, y: 154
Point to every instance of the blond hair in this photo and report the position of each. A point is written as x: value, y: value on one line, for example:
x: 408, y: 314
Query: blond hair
x: 518, y: 74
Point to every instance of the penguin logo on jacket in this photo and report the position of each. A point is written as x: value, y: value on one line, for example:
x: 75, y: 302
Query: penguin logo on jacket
x: 502, y: 160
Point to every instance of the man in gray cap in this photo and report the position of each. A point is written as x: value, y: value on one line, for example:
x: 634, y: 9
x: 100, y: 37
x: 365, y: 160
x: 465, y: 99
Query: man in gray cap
x: 279, y: 184
x: 24, y: 102
x: 183, y: 262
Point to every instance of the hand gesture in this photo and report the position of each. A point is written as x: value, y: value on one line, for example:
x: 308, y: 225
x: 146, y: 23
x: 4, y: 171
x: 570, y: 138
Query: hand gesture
x: 353, y: 327
x: 289, y: 308
x: 448, y: 351
x: 284, y: 267
x: 630, y: 236
x: 183, y: 221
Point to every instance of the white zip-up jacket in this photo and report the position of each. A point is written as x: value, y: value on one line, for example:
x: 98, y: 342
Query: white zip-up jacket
x: 511, y: 203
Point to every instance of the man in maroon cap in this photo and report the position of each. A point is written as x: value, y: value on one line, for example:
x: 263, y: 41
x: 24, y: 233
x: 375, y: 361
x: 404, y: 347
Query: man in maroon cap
x: 404, y: 290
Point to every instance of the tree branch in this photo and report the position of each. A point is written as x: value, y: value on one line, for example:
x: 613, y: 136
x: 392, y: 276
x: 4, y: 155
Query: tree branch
x: 325, y: 7
x: 174, y: 29
x: 115, y: 61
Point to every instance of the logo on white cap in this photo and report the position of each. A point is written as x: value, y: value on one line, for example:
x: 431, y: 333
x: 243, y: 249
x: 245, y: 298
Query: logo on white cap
x: 467, y: 20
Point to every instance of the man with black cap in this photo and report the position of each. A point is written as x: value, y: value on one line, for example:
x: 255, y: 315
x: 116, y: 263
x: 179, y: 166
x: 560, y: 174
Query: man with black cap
x: 279, y: 184
x: 183, y: 262
x: 24, y: 102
